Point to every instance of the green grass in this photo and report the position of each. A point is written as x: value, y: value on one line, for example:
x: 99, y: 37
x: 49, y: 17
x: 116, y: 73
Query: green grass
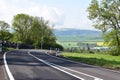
x: 104, y: 60
x: 67, y: 44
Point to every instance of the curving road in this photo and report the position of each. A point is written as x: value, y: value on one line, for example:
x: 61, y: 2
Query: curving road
x: 36, y: 65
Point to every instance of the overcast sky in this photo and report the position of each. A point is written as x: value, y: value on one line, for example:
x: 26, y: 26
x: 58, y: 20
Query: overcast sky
x: 61, y: 13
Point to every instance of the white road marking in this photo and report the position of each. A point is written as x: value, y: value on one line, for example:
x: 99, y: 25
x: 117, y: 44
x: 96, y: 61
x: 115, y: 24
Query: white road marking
x: 95, y: 78
x: 7, y: 68
x: 48, y: 63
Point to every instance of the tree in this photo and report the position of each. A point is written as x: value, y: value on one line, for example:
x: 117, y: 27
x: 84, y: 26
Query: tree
x: 36, y: 30
x: 22, y: 24
x: 4, y: 34
x: 106, y: 17
x: 42, y: 33
x: 33, y: 31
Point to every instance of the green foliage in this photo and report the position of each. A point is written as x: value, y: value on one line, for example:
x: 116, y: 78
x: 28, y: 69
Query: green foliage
x: 21, y: 25
x: 4, y: 49
x: 106, y: 17
x: 33, y: 31
x: 115, y: 51
x: 52, y: 46
x: 41, y: 31
x: 3, y: 26
x: 4, y: 34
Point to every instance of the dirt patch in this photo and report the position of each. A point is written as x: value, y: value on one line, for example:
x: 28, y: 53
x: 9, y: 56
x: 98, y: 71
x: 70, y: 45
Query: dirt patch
x: 2, y: 77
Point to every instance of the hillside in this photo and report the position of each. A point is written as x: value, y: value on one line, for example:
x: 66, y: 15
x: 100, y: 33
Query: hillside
x: 76, y: 32
x: 77, y: 35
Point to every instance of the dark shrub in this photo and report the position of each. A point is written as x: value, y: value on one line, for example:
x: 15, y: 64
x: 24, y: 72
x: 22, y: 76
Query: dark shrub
x: 52, y: 45
x: 24, y: 46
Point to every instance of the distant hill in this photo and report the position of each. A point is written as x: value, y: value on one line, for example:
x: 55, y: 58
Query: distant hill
x: 77, y: 35
x: 76, y: 32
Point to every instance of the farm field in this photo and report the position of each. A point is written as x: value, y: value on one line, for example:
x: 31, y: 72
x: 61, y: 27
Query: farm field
x: 67, y: 44
x: 78, y: 38
x: 103, y: 60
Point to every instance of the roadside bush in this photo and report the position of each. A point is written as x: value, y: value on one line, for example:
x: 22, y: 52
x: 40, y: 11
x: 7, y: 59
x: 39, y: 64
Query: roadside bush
x: 115, y: 51
x: 24, y: 46
x: 92, y: 52
x: 4, y: 49
x: 52, y: 45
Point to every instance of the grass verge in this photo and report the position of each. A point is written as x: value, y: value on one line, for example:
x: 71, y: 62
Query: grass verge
x: 103, y: 60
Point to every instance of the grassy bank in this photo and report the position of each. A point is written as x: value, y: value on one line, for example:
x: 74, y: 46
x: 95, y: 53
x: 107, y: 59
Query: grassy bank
x: 104, y: 60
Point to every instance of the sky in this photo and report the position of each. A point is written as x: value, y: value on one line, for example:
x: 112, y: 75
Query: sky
x: 60, y: 13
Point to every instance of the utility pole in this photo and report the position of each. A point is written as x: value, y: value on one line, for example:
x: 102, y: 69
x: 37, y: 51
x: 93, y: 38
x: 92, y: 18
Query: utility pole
x: 42, y: 39
x: 42, y: 42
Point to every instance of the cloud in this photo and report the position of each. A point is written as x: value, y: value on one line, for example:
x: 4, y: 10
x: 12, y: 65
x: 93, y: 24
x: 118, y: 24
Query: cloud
x: 77, y: 19
x: 53, y: 14
x: 3, y: 7
x: 61, y: 16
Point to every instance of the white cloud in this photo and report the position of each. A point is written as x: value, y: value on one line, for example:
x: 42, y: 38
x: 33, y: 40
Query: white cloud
x: 77, y: 19
x: 60, y: 17
x: 54, y: 15
x: 3, y: 7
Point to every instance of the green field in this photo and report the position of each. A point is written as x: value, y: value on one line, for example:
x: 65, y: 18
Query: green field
x: 104, y: 60
x: 72, y: 41
x: 68, y: 44
x: 78, y: 38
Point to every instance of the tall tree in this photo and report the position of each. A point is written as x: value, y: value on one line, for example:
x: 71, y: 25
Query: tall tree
x: 33, y: 30
x: 42, y: 33
x: 22, y: 25
x: 106, y: 17
x: 4, y: 34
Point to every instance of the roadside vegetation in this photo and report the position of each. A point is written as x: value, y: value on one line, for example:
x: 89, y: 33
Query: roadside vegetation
x: 105, y: 15
x: 97, y: 59
x: 27, y: 32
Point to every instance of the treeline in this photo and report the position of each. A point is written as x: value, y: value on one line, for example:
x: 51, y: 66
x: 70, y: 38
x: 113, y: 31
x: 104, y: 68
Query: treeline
x: 28, y: 32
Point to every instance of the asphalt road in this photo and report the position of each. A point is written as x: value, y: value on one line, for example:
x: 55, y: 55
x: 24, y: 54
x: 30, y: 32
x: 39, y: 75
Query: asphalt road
x: 36, y: 65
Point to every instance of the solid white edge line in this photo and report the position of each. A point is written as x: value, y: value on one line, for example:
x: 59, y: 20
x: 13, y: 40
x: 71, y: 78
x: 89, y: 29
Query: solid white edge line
x: 95, y: 78
x: 7, y: 68
x: 47, y: 63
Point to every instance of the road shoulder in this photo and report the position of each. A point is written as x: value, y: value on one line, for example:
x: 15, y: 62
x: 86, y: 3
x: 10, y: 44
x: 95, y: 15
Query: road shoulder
x: 2, y: 76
